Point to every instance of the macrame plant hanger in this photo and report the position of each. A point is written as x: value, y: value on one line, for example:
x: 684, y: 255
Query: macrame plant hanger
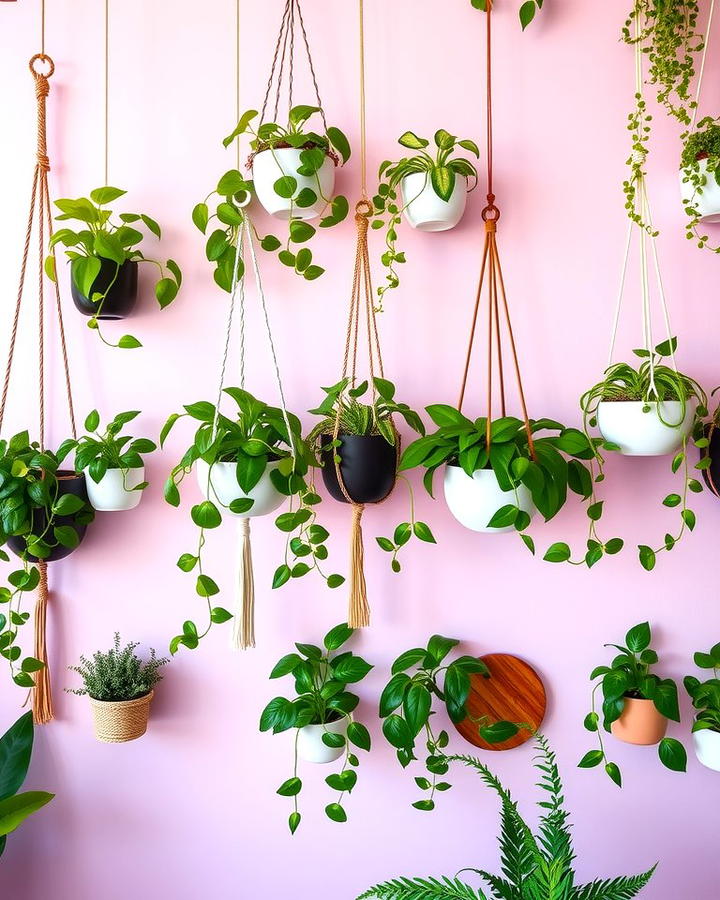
x: 491, y: 274
x: 42, y: 68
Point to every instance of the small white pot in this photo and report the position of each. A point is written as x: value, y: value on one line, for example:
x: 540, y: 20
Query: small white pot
x: 224, y: 488
x: 113, y: 493
x: 269, y: 165
x: 639, y: 433
x: 707, y: 201
x: 707, y: 748
x: 310, y: 745
x: 426, y: 211
x: 474, y: 501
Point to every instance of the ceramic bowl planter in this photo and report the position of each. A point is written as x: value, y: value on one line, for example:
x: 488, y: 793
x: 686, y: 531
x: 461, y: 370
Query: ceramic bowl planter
x: 474, y: 501
x: 640, y: 723
x: 707, y: 748
x: 270, y: 165
x: 122, y: 720
x: 121, y: 294
x: 224, y: 488
x: 639, y: 433
x: 712, y: 474
x: 114, y: 492
x: 426, y: 211
x: 707, y: 201
x: 310, y: 746
x: 368, y: 467
x: 68, y: 483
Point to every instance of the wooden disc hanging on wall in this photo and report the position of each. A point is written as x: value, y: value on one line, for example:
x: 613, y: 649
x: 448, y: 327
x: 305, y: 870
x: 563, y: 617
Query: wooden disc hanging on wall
x: 514, y: 692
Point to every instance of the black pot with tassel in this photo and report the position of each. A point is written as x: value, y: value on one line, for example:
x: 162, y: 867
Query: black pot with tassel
x: 368, y: 467
x: 118, y: 284
x: 712, y: 473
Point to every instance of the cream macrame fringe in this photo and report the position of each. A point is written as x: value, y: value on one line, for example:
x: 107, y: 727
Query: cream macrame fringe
x: 243, y: 633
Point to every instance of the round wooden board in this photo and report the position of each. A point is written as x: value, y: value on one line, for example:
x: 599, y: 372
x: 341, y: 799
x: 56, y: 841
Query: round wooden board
x: 514, y: 692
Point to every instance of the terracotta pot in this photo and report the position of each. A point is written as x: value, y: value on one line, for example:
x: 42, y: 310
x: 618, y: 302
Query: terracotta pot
x: 640, y: 723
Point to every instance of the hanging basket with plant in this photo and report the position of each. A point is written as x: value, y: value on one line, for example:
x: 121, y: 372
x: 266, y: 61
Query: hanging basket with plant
x: 705, y: 697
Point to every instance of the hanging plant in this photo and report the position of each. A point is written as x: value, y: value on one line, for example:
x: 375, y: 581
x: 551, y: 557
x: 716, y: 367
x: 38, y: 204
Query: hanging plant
x: 705, y: 696
x: 700, y: 179
x: 104, y: 259
x: 636, y: 705
x: 429, y: 190
x: 322, y: 714
x: 113, y: 463
x: 528, y: 9
x: 652, y: 410
x: 247, y: 466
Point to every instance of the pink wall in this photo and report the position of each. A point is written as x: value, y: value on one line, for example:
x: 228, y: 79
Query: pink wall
x: 191, y: 808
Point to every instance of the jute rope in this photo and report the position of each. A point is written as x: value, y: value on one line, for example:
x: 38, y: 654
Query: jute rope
x: 117, y: 722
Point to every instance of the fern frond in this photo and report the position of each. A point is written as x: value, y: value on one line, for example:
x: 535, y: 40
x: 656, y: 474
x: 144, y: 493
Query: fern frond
x: 423, y: 889
x: 554, y: 828
x: 622, y: 888
x: 500, y: 887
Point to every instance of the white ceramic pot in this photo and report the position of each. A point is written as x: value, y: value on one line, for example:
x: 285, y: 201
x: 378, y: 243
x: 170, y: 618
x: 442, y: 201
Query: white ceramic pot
x: 474, y: 501
x: 707, y: 201
x: 426, y: 211
x: 223, y: 488
x: 310, y: 746
x: 707, y: 748
x: 113, y: 493
x: 269, y: 165
x: 639, y: 433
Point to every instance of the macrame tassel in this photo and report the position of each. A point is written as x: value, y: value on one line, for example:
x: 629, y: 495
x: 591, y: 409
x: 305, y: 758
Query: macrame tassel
x: 42, y: 693
x: 243, y: 635
x: 359, y: 610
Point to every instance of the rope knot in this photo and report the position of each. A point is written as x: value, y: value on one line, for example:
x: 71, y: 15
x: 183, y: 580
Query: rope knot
x: 362, y: 222
x: 42, y: 86
x: 43, y: 162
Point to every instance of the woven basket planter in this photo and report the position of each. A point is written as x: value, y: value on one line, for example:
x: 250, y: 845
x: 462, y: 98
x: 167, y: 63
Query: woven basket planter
x: 122, y: 720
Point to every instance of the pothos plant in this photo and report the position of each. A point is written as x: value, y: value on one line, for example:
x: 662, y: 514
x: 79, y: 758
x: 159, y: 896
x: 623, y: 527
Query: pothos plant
x: 321, y: 676
x: 343, y: 404
x: 700, y: 164
x: 545, y: 471
x: 652, y: 383
x: 441, y: 168
x: 419, y: 676
x: 33, y: 509
x: 255, y: 437
x: 100, y: 238
x: 705, y: 695
x: 629, y: 675
x: 528, y: 9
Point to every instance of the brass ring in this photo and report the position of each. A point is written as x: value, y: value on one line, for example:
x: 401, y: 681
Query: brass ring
x: 365, y: 205
x: 43, y: 57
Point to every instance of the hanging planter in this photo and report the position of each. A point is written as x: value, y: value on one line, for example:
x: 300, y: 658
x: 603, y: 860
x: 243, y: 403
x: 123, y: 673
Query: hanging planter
x: 705, y: 696
x: 220, y: 483
x: 322, y: 714
x: 279, y: 182
x: 645, y: 428
x: 433, y: 192
x: 476, y: 499
x: 699, y: 184
x: 636, y: 707
x: 711, y: 452
x: 368, y: 465
x: 118, y: 287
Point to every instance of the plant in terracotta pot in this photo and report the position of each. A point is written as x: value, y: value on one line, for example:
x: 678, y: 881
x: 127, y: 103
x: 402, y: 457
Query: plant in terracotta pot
x: 120, y: 686
x: 419, y: 676
x: 112, y: 463
x: 699, y: 174
x: 322, y: 714
x: 430, y: 189
x: 636, y: 705
x: 705, y: 696
x: 535, y: 866
x: 104, y: 257
x: 15, y: 752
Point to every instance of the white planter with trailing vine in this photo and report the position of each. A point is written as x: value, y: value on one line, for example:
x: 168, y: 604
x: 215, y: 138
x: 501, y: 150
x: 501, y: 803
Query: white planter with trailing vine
x: 221, y: 485
x: 639, y: 429
x: 705, y: 200
x: 310, y: 746
x: 474, y: 501
x: 707, y: 748
x: 271, y: 165
x: 114, y: 492
x: 425, y: 210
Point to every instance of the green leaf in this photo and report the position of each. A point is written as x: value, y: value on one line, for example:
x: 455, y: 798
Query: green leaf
x: 350, y: 669
x: 438, y: 647
x: 408, y: 659
x: 300, y: 231
x: 591, y: 759
x: 286, y: 665
x: 105, y: 195
x: 294, y: 821
x: 337, y: 636
x: 422, y: 532
x: 290, y: 788
x: 67, y: 536
x: 498, y: 732
x: 14, y: 810
x: 219, y: 615
x: 424, y: 805
x: 15, y: 751
x: 647, y: 557
x: 206, y: 515
x: 557, y: 553
x: 442, y: 179
x: 416, y: 707
x: 67, y: 505
x: 639, y: 637
x: 285, y: 186
x: 527, y: 13
x: 613, y: 773
x: 334, y: 581
x: 397, y: 732
x: 688, y: 517
x: 128, y: 342
x: 672, y: 755
x: 339, y: 142
x: 206, y: 587
x: 200, y: 216
x: 359, y: 735
x: 410, y: 140
x: 270, y: 243
x: 335, y: 812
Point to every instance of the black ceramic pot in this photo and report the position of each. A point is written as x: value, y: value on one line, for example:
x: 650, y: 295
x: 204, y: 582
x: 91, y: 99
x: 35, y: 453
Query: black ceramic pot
x: 712, y: 474
x: 120, y: 299
x: 368, y: 467
x: 68, y: 483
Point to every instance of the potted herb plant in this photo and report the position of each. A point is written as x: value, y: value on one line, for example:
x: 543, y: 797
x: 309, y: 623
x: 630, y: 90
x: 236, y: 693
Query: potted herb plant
x: 418, y: 677
x: 533, y: 866
x: 247, y: 466
x: 120, y: 686
x: 705, y: 696
x: 699, y: 173
x: 636, y: 705
x: 15, y: 752
x: 104, y: 257
x: 429, y: 189
x: 322, y: 714
x: 112, y: 463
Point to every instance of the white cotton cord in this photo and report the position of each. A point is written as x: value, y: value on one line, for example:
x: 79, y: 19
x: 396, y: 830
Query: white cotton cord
x: 702, y: 66
x: 661, y: 286
x: 228, y: 331
x: 621, y: 292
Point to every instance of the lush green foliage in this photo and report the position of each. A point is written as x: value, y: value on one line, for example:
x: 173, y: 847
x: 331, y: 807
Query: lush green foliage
x: 441, y: 170
x: 322, y: 676
x: 100, y: 238
x: 705, y: 695
x: 629, y: 676
x: 15, y: 752
x: 534, y: 866
x: 700, y: 165
x: 256, y: 436
x: 406, y: 707
x: 118, y: 674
